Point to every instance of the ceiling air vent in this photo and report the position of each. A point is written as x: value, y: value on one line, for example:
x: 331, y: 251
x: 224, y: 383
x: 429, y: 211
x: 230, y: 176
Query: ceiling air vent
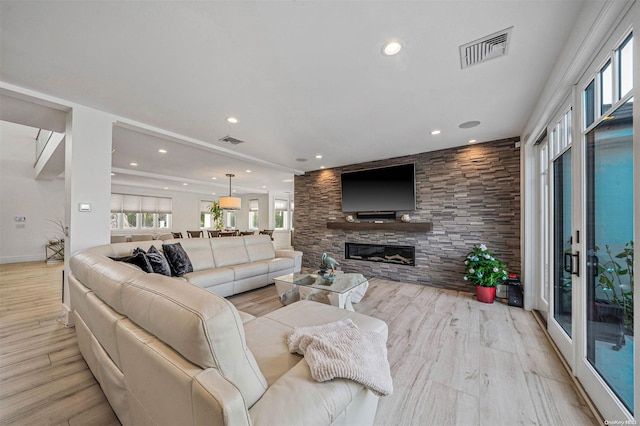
x: 489, y: 47
x: 231, y: 140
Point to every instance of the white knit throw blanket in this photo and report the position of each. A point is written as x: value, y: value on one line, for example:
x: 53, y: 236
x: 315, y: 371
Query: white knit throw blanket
x: 341, y: 349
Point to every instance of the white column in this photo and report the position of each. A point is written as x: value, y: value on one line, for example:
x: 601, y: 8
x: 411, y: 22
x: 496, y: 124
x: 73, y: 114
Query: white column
x: 87, y: 185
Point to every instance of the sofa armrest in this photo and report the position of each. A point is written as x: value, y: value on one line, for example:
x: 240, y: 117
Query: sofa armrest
x: 311, y: 402
x: 295, y: 255
x: 215, y: 398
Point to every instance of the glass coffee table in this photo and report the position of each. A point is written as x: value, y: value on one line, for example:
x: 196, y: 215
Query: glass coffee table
x: 341, y: 291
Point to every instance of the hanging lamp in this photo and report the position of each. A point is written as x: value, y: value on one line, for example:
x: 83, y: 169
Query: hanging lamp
x: 230, y: 203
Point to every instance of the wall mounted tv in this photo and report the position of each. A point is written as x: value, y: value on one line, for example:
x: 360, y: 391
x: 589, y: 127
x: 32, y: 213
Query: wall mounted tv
x: 386, y: 189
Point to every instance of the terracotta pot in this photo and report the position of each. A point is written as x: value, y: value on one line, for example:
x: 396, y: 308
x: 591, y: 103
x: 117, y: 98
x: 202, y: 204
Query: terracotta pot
x: 485, y: 294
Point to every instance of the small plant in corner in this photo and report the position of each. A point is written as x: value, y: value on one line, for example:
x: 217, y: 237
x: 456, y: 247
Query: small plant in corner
x: 483, y: 270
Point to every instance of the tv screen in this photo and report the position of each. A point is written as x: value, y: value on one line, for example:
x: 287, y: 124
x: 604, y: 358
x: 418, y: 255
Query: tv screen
x: 385, y: 189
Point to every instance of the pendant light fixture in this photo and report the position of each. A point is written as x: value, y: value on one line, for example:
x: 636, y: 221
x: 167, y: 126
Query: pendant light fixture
x: 230, y: 203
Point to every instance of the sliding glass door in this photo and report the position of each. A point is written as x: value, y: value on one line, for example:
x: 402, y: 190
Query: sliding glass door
x: 562, y: 228
x: 591, y: 234
x: 609, y: 276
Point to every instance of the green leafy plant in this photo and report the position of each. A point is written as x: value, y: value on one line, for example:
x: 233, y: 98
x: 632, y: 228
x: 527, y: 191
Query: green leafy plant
x: 616, y: 280
x: 483, y: 269
x: 216, y: 215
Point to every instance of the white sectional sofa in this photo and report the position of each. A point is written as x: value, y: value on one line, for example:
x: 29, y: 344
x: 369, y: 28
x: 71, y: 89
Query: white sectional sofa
x: 225, y: 266
x: 166, y: 351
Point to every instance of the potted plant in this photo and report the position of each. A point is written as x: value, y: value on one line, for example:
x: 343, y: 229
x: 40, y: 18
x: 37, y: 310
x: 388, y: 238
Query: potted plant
x: 484, y: 271
x: 216, y: 215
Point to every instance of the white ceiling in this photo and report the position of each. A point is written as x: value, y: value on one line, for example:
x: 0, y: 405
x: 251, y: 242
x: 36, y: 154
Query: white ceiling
x: 303, y: 78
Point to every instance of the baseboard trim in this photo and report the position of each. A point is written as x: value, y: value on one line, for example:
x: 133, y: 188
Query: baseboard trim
x: 21, y: 259
x: 543, y: 326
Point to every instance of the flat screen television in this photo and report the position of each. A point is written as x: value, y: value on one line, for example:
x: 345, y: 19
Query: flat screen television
x: 386, y: 189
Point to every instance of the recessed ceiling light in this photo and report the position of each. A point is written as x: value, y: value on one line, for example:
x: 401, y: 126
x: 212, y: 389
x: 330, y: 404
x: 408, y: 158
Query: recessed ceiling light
x: 133, y: 164
x: 435, y: 132
x: 264, y: 186
x: 113, y: 174
x: 322, y: 167
x: 162, y: 151
x: 213, y: 177
x: 248, y: 171
x: 469, y: 124
x: 166, y: 187
x: 232, y: 120
x: 213, y: 193
x: 472, y: 141
x: 392, y: 47
x: 185, y: 184
x: 318, y: 156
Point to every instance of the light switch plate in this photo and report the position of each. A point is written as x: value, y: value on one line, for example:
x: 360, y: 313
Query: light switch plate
x: 84, y: 207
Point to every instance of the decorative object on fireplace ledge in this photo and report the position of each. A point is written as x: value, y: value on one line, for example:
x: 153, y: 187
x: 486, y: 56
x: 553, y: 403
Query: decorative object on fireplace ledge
x: 328, y: 264
x: 349, y: 218
x: 405, y: 218
x: 484, y: 271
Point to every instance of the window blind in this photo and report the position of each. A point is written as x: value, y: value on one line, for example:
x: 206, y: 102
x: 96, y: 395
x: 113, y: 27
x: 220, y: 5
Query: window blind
x: 280, y: 205
x: 126, y: 203
x: 253, y: 205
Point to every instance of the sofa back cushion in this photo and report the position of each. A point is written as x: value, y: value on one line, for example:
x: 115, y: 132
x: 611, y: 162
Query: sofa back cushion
x: 204, y: 328
x: 229, y: 251
x: 199, y: 252
x: 259, y: 247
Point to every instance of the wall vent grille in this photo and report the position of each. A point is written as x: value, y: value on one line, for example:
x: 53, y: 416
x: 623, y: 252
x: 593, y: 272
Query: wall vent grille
x: 486, y: 48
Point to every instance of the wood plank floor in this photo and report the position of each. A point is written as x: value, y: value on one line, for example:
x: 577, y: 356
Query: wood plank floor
x: 454, y: 361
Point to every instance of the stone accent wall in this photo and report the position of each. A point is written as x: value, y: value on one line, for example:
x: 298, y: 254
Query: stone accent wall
x: 471, y: 194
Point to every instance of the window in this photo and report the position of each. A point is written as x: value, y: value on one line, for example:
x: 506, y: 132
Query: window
x: 140, y: 212
x: 230, y: 219
x: 254, y: 219
x: 606, y: 88
x: 206, y: 217
x: 612, y: 84
x: 280, y: 217
x: 625, y: 59
x: 291, y: 215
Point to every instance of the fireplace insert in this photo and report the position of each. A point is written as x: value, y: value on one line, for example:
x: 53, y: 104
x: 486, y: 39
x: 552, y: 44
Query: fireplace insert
x: 401, y: 255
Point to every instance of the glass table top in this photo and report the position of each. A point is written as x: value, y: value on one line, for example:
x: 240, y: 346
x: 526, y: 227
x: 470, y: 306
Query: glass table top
x: 341, y: 282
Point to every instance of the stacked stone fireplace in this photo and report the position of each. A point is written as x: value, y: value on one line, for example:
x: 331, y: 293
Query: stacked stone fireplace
x: 396, y: 254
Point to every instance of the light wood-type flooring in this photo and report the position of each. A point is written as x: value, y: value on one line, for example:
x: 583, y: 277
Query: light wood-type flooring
x: 454, y: 361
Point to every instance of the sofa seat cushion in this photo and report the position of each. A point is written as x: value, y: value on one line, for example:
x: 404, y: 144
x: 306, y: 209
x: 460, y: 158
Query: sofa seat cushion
x: 299, y: 400
x: 280, y: 264
x: 249, y: 270
x: 267, y: 340
x: 210, y: 277
x: 306, y: 313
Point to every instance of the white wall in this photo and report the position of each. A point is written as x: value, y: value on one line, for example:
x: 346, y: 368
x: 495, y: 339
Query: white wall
x: 40, y: 202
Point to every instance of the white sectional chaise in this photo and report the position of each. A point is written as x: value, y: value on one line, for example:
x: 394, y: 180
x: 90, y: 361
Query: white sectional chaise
x: 171, y: 351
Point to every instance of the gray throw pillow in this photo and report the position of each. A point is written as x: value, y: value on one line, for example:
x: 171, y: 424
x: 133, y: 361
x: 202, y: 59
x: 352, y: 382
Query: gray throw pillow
x: 138, y: 258
x: 178, y: 260
x: 158, y: 262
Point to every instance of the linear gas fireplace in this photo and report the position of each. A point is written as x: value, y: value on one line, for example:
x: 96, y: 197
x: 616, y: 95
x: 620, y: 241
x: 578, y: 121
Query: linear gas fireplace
x: 401, y: 255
